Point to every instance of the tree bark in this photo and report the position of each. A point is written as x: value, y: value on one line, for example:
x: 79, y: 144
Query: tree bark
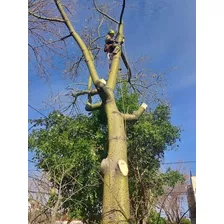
x: 116, y: 207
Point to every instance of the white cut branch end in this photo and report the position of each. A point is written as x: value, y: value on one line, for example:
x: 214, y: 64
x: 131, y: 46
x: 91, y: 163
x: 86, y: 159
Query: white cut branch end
x: 103, y: 81
x: 123, y: 167
x: 144, y: 106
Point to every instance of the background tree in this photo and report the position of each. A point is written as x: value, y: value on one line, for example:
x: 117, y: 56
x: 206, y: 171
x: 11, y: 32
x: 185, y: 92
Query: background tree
x: 173, y: 201
x: 38, y: 195
x: 65, y: 148
x: 79, y: 143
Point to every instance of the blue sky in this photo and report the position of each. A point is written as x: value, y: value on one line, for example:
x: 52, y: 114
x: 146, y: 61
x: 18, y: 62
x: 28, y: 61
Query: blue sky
x: 169, y: 37
x: 165, y: 31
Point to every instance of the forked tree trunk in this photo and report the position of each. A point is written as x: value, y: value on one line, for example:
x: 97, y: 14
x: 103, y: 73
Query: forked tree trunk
x: 116, y: 206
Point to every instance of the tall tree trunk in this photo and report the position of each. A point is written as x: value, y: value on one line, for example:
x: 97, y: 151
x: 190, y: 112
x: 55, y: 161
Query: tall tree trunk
x: 116, y: 208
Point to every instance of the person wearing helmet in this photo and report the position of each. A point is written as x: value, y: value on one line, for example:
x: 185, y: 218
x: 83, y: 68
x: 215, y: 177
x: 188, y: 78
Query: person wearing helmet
x: 110, y: 42
x: 112, y: 47
x: 110, y: 37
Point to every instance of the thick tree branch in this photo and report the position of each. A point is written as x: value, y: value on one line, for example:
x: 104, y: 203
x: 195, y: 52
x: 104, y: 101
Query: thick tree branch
x: 95, y: 106
x: 81, y: 93
x: 127, y: 67
x: 122, y: 55
x: 85, y: 92
x: 122, y: 11
x: 102, y: 88
x: 112, y: 80
x: 79, y: 41
x: 46, y: 18
x: 89, y: 88
x: 136, y: 114
x: 109, y: 17
x: 116, y: 61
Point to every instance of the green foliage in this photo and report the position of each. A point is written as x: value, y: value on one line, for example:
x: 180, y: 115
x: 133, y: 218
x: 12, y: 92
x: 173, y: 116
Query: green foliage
x: 70, y: 150
x: 127, y: 102
x: 172, y: 177
x: 67, y: 149
x: 185, y: 221
x: 156, y: 219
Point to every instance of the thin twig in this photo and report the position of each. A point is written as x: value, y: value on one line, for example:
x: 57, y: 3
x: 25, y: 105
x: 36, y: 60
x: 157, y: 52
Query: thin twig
x: 186, y: 213
x: 39, y: 215
x: 103, y: 13
x: 163, y: 204
x: 47, y: 18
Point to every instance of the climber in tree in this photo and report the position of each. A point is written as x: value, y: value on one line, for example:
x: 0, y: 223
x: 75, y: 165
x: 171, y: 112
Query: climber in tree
x: 112, y: 47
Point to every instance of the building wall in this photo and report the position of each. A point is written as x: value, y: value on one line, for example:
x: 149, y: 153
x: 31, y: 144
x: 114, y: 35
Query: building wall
x: 191, y: 194
x: 193, y: 184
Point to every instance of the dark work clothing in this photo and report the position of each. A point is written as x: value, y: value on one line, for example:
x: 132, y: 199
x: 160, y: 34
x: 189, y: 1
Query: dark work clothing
x: 109, y: 40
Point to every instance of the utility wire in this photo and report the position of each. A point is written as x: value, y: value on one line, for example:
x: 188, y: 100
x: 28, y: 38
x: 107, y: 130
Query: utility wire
x: 36, y: 110
x: 31, y: 127
x: 180, y: 162
x: 175, y: 162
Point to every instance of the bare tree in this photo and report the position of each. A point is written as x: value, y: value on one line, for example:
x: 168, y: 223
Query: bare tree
x: 173, y: 202
x: 46, y: 196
